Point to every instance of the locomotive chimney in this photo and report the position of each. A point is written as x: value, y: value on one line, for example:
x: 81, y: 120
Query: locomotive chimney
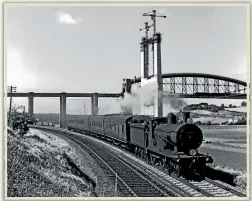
x: 186, y: 115
x: 171, y: 118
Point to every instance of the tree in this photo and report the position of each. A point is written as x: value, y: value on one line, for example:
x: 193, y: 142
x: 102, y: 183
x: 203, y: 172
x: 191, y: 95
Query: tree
x: 243, y: 103
x: 208, y: 123
x: 222, y: 106
x: 230, y: 105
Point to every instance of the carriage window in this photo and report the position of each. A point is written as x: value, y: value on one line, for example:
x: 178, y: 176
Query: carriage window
x: 122, y: 128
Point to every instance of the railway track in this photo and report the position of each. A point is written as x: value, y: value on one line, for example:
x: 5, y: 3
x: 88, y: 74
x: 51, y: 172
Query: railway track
x: 137, y: 178
x: 205, y: 188
x: 131, y: 182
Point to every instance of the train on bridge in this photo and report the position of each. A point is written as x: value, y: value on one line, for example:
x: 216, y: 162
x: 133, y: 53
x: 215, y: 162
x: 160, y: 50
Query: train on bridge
x: 160, y: 141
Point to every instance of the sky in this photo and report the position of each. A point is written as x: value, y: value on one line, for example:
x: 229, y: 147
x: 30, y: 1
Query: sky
x: 91, y: 49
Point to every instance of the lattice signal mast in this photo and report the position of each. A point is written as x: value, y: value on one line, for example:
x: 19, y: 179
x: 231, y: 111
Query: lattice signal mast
x: 153, y: 16
x: 146, y: 47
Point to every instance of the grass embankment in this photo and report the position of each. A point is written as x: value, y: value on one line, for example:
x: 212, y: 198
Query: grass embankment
x: 41, y: 165
x: 229, y: 175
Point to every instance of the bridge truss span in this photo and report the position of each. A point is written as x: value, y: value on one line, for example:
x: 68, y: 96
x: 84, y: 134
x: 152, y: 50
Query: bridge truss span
x: 200, y: 85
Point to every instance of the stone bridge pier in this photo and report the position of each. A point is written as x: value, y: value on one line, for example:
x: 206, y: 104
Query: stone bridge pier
x: 63, y: 114
x: 30, y: 103
x: 63, y: 117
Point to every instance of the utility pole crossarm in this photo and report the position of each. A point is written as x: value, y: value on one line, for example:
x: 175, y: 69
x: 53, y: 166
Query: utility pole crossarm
x: 153, y: 16
x: 147, y: 28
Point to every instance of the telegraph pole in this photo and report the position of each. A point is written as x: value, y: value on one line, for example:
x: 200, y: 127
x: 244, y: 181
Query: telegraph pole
x: 23, y: 109
x: 11, y: 90
x: 85, y: 109
x: 153, y: 16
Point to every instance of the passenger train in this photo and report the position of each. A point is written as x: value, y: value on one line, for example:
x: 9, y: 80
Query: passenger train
x: 160, y: 141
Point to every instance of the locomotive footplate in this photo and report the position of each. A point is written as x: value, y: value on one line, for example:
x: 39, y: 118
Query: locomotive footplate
x: 197, y: 158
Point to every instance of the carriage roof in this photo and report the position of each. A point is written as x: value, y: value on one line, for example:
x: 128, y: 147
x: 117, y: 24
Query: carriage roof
x: 117, y: 117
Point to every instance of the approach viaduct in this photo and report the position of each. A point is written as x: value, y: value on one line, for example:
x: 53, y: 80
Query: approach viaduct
x: 185, y: 85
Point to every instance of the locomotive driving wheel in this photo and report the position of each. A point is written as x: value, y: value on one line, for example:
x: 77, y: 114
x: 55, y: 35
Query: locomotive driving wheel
x: 141, y: 153
x: 152, y: 160
x: 169, y: 166
x: 136, y: 151
x: 176, y: 169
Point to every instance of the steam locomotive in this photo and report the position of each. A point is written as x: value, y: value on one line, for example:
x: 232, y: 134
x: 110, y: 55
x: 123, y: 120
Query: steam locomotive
x: 160, y: 141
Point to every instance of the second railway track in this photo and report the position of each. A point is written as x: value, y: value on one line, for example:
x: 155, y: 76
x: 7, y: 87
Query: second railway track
x: 138, y: 179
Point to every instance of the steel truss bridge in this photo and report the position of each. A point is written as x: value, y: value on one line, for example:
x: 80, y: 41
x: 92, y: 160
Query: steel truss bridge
x: 200, y: 85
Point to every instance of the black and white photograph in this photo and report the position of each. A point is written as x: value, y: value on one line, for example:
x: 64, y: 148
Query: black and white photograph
x: 127, y: 100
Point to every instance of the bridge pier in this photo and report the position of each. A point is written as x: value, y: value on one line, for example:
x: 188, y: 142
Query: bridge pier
x: 158, y: 102
x: 94, y: 104
x: 30, y: 103
x: 63, y: 110
x: 151, y: 100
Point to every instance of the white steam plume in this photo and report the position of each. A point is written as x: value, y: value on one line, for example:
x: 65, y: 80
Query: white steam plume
x: 148, y: 93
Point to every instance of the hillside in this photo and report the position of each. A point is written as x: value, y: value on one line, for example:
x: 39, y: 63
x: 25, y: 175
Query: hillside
x: 43, y: 165
x: 239, y: 109
x: 51, y: 117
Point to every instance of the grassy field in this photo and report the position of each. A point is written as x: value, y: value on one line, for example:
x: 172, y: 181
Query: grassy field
x: 228, y: 148
x: 228, y: 145
x: 213, y: 120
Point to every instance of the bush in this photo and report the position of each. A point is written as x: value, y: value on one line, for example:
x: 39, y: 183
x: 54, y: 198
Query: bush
x: 243, y: 103
x: 241, y: 122
x: 198, y: 123
x: 208, y: 123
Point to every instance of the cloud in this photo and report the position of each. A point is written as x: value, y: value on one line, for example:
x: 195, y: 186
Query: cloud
x: 18, y: 72
x: 66, y: 18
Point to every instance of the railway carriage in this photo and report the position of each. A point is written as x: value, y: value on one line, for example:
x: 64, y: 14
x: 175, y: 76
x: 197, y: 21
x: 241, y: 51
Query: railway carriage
x: 96, y: 124
x: 71, y: 123
x: 116, y: 127
x: 80, y: 123
x: 83, y: 123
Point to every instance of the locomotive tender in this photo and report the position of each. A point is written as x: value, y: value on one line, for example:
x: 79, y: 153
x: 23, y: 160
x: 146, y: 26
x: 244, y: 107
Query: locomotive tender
x: 158, y: 140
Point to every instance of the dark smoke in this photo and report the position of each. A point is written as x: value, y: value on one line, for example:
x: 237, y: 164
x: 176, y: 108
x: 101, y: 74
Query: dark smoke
x: 174, y: 101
